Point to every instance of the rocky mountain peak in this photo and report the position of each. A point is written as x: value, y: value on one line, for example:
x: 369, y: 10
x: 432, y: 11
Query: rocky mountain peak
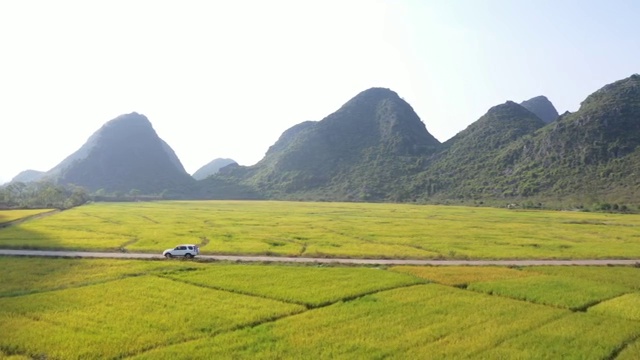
x: 124, y: 154
x: 542, y: 108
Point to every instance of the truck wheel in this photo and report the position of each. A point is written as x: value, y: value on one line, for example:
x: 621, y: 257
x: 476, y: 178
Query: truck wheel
x: 168, y: 255
x: 188, y: 256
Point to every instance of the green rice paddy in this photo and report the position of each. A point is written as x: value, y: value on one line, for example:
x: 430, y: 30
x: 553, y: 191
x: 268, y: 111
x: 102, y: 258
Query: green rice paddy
x: 147, y: 309
x: 333, y: 230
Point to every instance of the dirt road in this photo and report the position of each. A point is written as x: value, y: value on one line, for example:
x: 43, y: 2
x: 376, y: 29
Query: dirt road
x: 85, y: 254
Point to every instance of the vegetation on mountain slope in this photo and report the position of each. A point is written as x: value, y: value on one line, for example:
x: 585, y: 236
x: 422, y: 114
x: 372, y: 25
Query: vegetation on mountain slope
x: 363, y: 152
x: 464, y: 167
x: 376, y: 148
x: 584, y: 158
x: 590, y: 153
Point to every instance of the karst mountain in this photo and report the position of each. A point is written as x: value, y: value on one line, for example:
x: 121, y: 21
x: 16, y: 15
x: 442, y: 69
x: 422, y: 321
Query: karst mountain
x: 376, y: 148
x: 124, y: 154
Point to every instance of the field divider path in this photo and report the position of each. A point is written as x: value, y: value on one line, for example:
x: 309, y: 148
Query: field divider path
x: 284, y: 259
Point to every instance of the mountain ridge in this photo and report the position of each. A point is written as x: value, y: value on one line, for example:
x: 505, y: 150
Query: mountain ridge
x: 375, y: 125
x: 376, y: 148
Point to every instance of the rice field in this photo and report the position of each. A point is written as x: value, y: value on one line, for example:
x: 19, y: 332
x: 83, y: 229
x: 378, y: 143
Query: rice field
x: 577, y: 336
x: 422, y: 321
x: 413, y: 322
x: 26, y: 275
x: 332, y: 230
x: 461, y: 276
x: 564, y: 292
x: 125, y: 316
x: 5, y: 356
x: 624, y: 276
x: 630, y: 352
x: 159, y: 309
x: 626, y: 307
x: 309, y: 286
x: 13, y: 215
x: 145, y: 309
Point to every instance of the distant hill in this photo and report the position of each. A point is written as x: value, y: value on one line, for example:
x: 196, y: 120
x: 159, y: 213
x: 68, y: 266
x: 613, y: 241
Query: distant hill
x: 211, y: 168
x: 360, y: 152
x: 589, y: 156
x: 123, y: 155
x: 542, y: 107
x: 28, y: 176
x: 592, y: 154
x: 376, y: 148
x: 464, y: 165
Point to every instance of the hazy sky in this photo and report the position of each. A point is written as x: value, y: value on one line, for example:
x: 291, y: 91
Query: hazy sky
x: 226, y: 78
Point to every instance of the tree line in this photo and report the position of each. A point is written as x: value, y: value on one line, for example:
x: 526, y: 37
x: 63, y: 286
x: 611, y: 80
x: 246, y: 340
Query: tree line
x: 42, y: 195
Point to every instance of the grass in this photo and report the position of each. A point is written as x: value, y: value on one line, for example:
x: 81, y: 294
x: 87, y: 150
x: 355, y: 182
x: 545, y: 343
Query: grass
x: 13, y: 215
x: 564, y: 292
x: 311, y: 286
x: 333, y: 230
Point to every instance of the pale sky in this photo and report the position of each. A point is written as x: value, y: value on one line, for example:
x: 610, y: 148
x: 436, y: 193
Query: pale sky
x: 223, y: 79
